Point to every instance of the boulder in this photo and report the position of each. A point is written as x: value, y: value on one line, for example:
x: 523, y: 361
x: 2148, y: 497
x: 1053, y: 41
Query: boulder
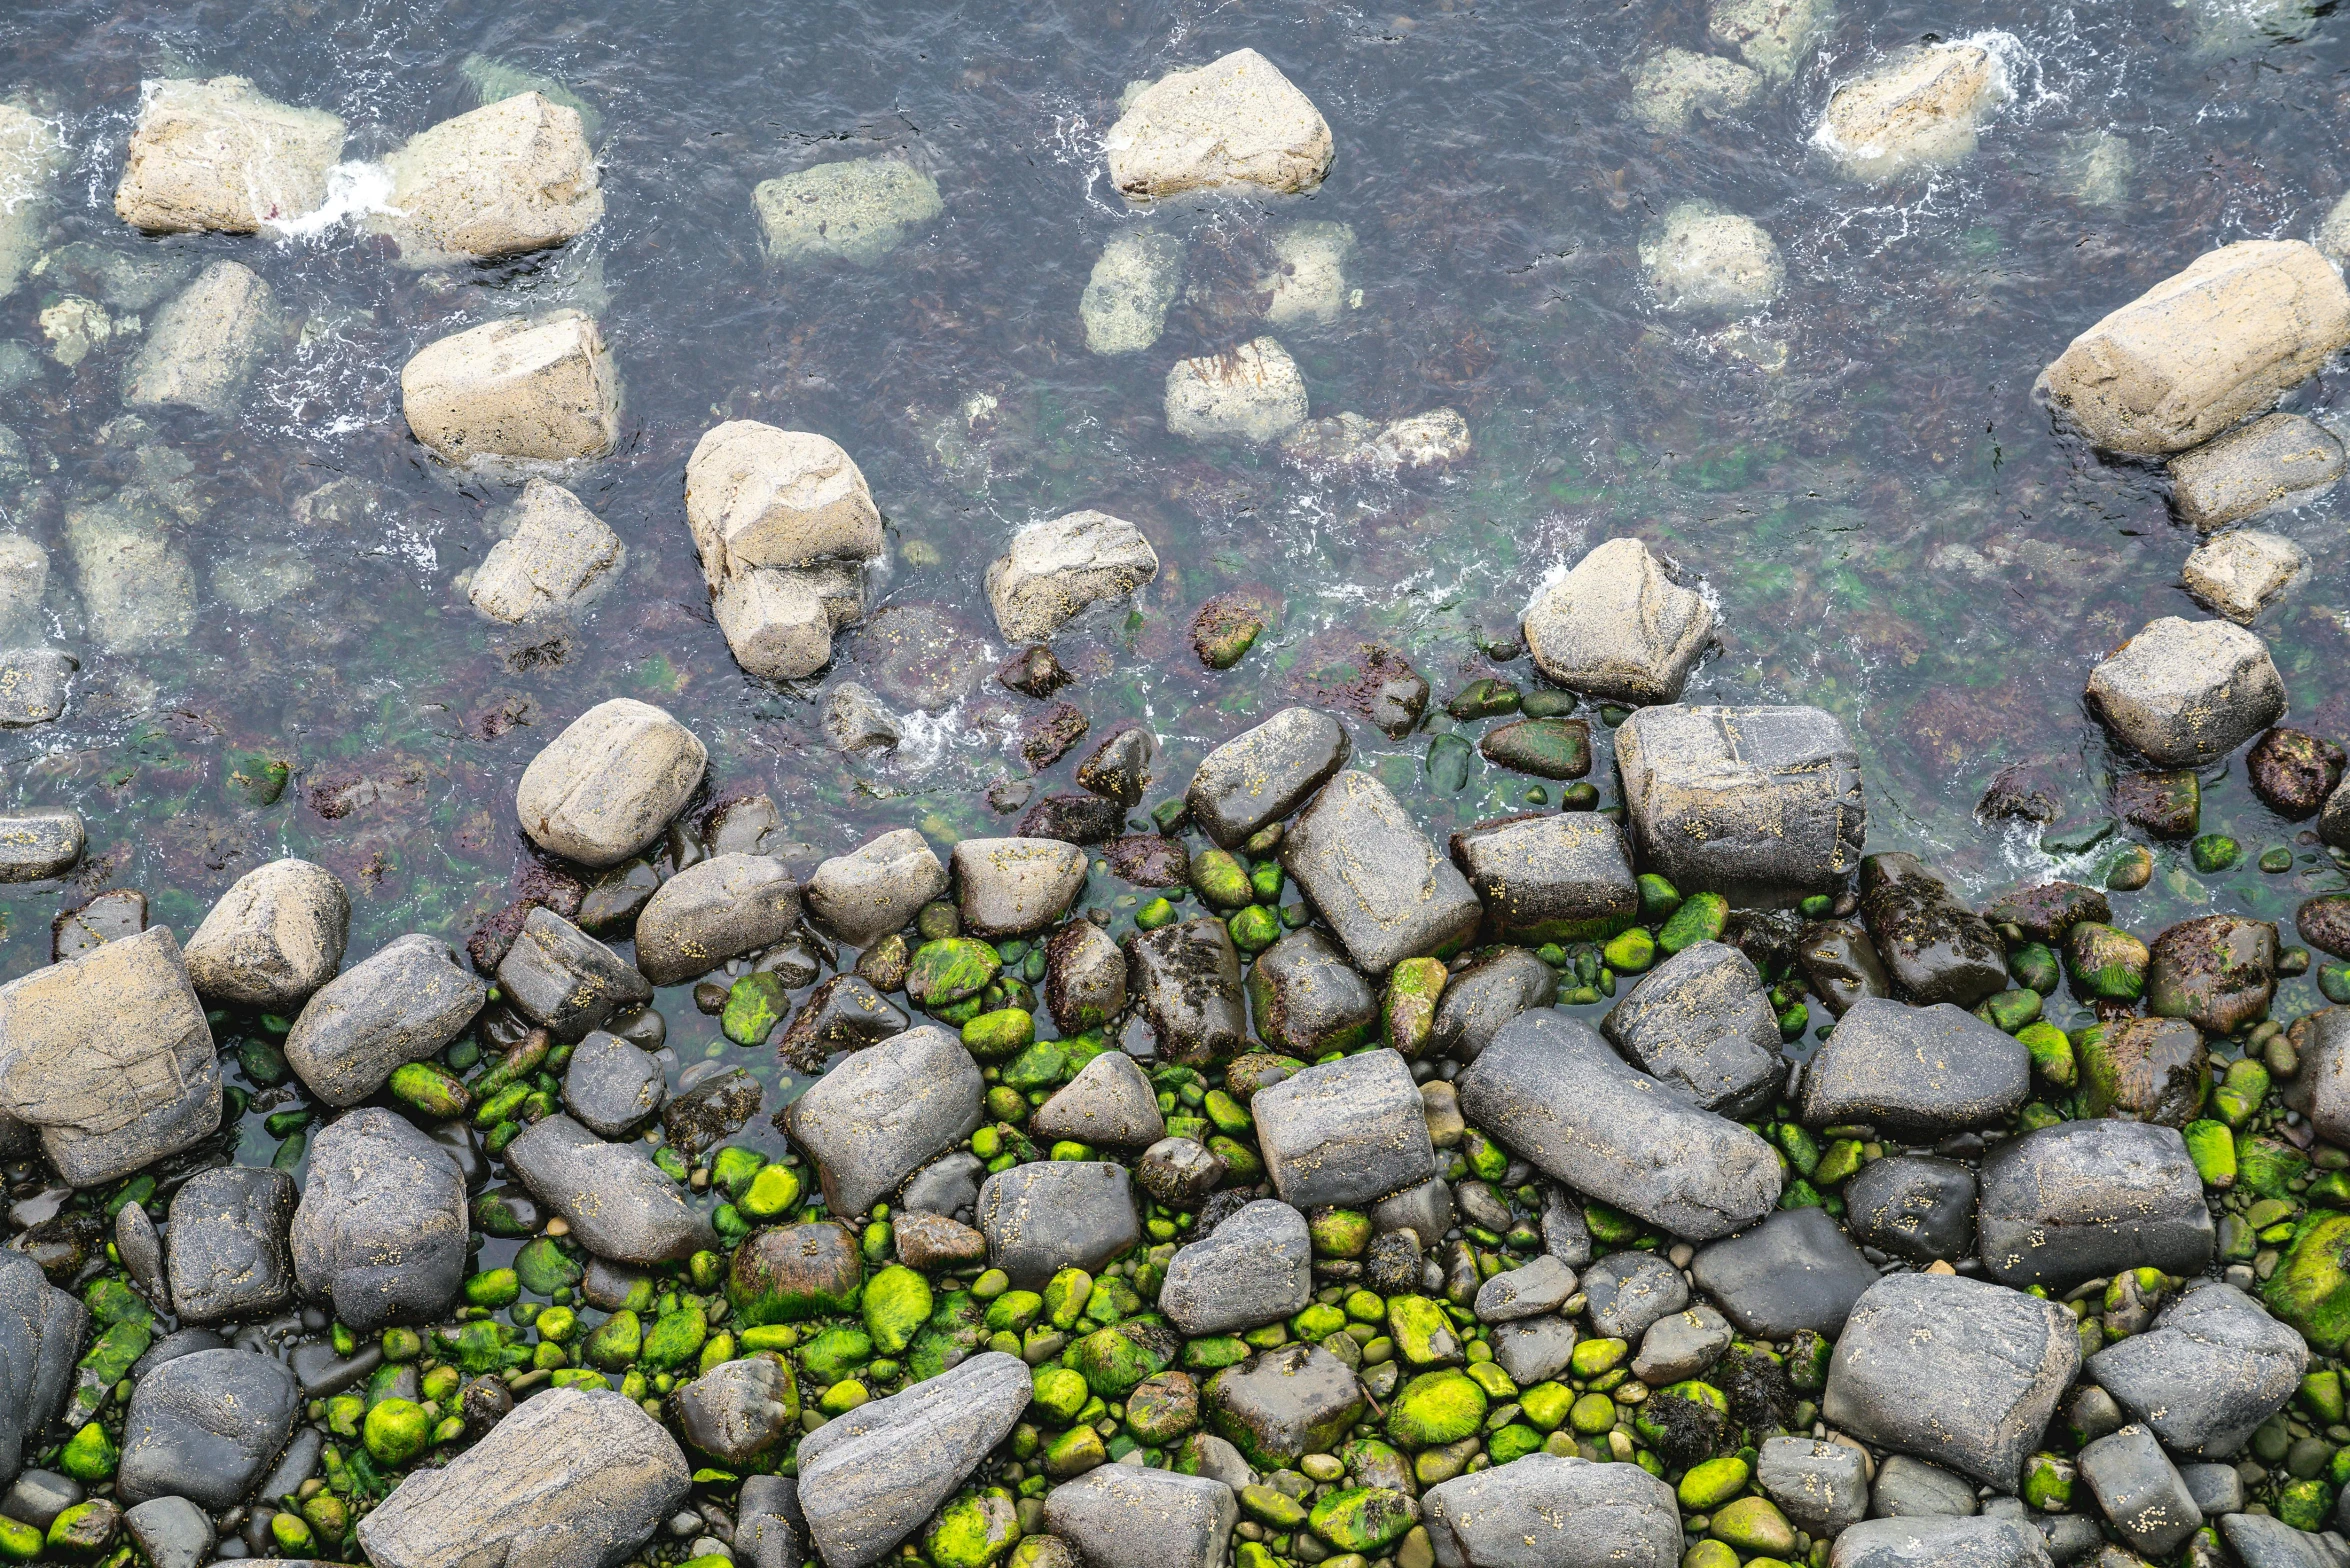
x: 1253, y: 394
x: 1125, y: 303
x: 1554, y: 1093
x: 1700, y: 260
x: 204, y: 1427
x: 1933, y: 947
x: 381, y: 1231
x: 1821, y: 1486
x: 33, y: 681
x: 402, y: 1004
x: 620, y: 1205
x: 1084, y: 977
x: 1126, y: 1516
x: 757, y: 496
x: 857, y: 210
x: 1306, y: 1000
x: 2240, y: 574
x: 2143, y: 1496
x: 738, y: 1409
x: 1913, y: 1206
x: 1980, y: 1542
x: 2278, y: 460
x: 559, y: 977
x: 1371, y: 873
x: 558, y: 559
x: 1761, y: 805
x: 606, y: 787
x: 1701, y: 1023
x: 845, y: 1013
x: 509, y: 177
x: 1236, y: 122
x: 2261, y: 1541
x: 1795, y: 1271
x: 1923, y: 1070
x: 539, y: 391
x: 202, y: 347
x: 218, y: 155
x: 714, y: 910
x: 228, y: 1253
x: 1534, y: 1350
x: 1920, y: 109
x: 138, y: 590
x: 1255, y: 1268
x: 1344, y: 1132
x: 880, y: 1115
x: 876, y: 888
x: 778, y: 622
x: 1055, y: 570
x: 1673, y: 87
x: 37, y: 845
x: 1559, y: 876
x: 1279, y: 1404
x: 611, y: 1087
x: 172, y: 1532
x: 1544, y: 1285
x: 1262, y: 775
x: 1543, y: 1511
x: 1186, y: 984
x: 1308, y: 282
x: 1773, y: 36
x: 2186, y: 693
x: 869, y: 1478
x: 574, y: 1475
x: 2213, y: 1367
x: 1478, y: 1000
x: 2217, y: 971
x: 1012, y: 886
x: 1048, y: 1215
x: 273, y: 938
x: 1109, y: 1103
x: 109, y: 1056
x: 1618, y: 626
x: 1628, y: 1292
x: 41, y: 1329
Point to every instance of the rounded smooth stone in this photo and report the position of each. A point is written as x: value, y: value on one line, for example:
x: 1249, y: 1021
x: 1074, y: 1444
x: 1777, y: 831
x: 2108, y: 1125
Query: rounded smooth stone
x: 608, y: 785
x: 205, y: 1426
x: 1914, y: 1206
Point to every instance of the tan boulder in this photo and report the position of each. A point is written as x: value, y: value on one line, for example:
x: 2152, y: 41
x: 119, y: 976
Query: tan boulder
x: 206, y: 343
x: 2276, y: 461
x: 1234, y: 122
x: 856, y: 211
x: 608, y: 785
x: 2240, y: 574
x: 512, y: 176
x: 1255, y: 393
x: 2185, y: 693
x: 1056, y: 569
x: 779, y: 620
x: 1772, y: 35
x: 559, y: 557
x: 540, y: 391
x: 759, y: 496
x: 219, y: 155
x: 1618, y: 627
x: 1920, y: 109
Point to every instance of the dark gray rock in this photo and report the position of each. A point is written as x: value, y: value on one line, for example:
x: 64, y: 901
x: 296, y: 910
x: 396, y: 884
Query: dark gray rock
x: 1426, y: 1210
x: 712, y: 911
x: 1941, y: 1543
x: 1566, y: 1235
x: 2217, y: 1489
x: 767, y: 1523
x: 1821, y: 1487
x: 37, y: 1497
x: 877, y: 887
x: 173, y: 1532
x: 1489, y: 993
x: 1917, y: 1070
x: 845, y: 1013
x: 1109, y: 1102
x: 711, y: 1107
x: 1540, y: 1286
x: 2213, y: 1367
x: 1546, y: 1512
x: 1761, y: 805
x: 1958, y: 1371
x: 1627, y: 1291
x: 1084, y: 977
x: 228, y: 1253
x: 948, y: 1185
x: 618, y: 1203
x: 611, y: 1087
x: 35, y: 845
x: 1263, y: 775
x: 1307, y: 1000
x: 557, y: 975
x: 1913, y: 1206
x: 1179, y: 1172
x: 1557, y: 1096
x: 1700, y: 1022
x: 869, y: 1478
x: 41, y: 1330
x: 381, y: 1230
x: 1255, y: 1269
x: 1345, y: 1132
x: 1909, y: 1488
x: 141, y: 1251
x: 1186, y: 980
x: 2324, y: 1081
x: 187, y: 1341
x: 1119, y: 768
x: 1794, y: 1271
x: 572, y: 1476
x: 2070, y: 1537
x: 1681, y: 1346
x: 2083, y: 1199
x: 401, y: 1005
x: 2144, y: 1497
x: 1282, y: 1403
x: 1012, y: 886
x: 205, y: 1426
x: 738, y: 1409
x: 1934, y: 948
x: 1125, y: 1516
x: 1049, y: 1215
x: 877, y: 1117
x: 1840, y: 965
x: 2260, y: 1541
x: 1533, y: 1350
x: 1368, y: 870
x: 1550, y: 877
x: 296, y: 1464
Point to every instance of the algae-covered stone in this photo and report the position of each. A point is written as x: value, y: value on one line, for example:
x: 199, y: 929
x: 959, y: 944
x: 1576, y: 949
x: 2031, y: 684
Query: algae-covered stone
x: 2311, y: 1288
x: 2105, y: 963
x: 897, y: 1304
x: 2145, y: 1069
x: 1364, y: 1519
x: 1436, y: 1408
x: 792, y: 1273
x: 1113, y: 1360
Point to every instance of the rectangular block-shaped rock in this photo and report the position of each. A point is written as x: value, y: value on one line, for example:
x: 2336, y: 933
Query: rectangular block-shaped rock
x: 2087, y: 1199
x: 1347, y: 1132
x: 1761, y: 805
x: 1373, y: 875
x: 1926, y: 1070
x: 1544, y: 1511
x: 873, y: 1120
x: 541, y: 391
x: 1126, y: 1516
x: 219, y: 155
x: 1263, y: 775
x: 1550, y: 877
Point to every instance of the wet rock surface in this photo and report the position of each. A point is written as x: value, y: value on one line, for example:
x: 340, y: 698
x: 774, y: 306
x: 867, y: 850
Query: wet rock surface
x: 204, y: 1427
x: 619, y: 1204
x: 1920, y: 1069
x: 1701, y: 1022
x: 380, y: 1232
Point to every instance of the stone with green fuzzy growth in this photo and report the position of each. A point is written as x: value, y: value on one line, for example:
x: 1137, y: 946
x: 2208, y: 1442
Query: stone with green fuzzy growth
x: 1700, y: 918
x: 1219, y: 878
x: 2269, y: 1166
x: 2106, y: 964
x: 89, y: 1455
x: 1058, y: 1394
x: 19, y: 1542
x: 1550, y: 748
x: 615, y: 1343
x: 897, y: 1303
x: 2305, y: 1505
x: 1712, y: 1482
x: 544, y: 1267
x: 2009, y: 1011
x: 1514, y: 1441
x: 1483, y: 698
x: 1113, y: 1360
x: 734, y: 1168
x: 1365, y: 1519
x: 1272, y: 1507
x: 2238, y: 1097
x: 771, y: 1194
x: 1040, y: 1066
x: 2052, y: 1054
x: 1709, y: 1554
x: 1339, y: 1233
x: 837, y: 1351
x: 2311, y: 1287
x: 2214, y: 852
x: 1408, y: 1010
x: 1630, y: 952
x: 1546, y: 1405
x: 676, y: 1337
x: 2213, y: 1149
x: 974, y: 1530
x: 2035, y: 968
x: 430, y: 1089
x: 1436, y: 1408
x: 396, y: 1431
x: 1422, y: 1332
x: 755, y: 1004
x: 1255, y: 928
x: 1003, y: 1033
x: 1755, y: 1525
x: 83, y: 1531
x: 1658, y: 898
x: 2144, y: 1069
x: 2048, y: 1483
x: 1065, y: 1295
x: 951, y: 969
x: 1163, y: 1407
x: 1074, y: 1452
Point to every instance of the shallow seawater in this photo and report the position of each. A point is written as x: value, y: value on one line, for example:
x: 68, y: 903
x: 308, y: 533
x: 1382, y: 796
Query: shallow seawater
x: 1858, y: 474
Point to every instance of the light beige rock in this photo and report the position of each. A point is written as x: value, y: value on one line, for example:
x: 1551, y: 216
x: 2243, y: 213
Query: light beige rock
x: 1235, y: 122
x: 510, y: 177
x: 1253, y: 394
x: 608, y: 785
x: 1310, y: 286
x: 24, y: 585
x: 1773, y: 36
x: 1618, y: 627
x: 138, y: 590
x: 219, y: 155
x: 1436, y: 439
x: 877, y: 887
x: 1701, y: 260
x: 558, y: 560
x: 857, y: 722
x: 1921, y: 109
x: 2184, y: 693
x: 1012, y: 886
x: 1125, y: 303
x: 1674, y: 86
x: 2219, y: 341
x: 76, y: 328
x: 31, y: 154
x: 2240, y: 574
x: 856, y: 211
x: 759, y: 496
x: 275, y: 936
x: 1344, y: 442
x: 538, y: 391
x: 1056, y: 569
x: 2277, y: 461
x: 203, y: 347
x: 778, y: 622
x: 2333, y: 236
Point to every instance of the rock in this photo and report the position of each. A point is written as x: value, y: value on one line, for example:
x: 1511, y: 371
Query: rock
x: 171, y: 1531
x: 139, y: 1246
x: 1253, y: 393
x: 718, y: 909
x: 949, y: 1185
x: 1124, y: 1516
x: 510, y: 177
x: 204, y: 1427
x: 2213, y: 1367
x: 1773, y: 36
x: 2217, y: 1489
x: 618, y: 1203
x: 611, y: 1087
x: 1526, y: 1291
x: 202, y: 348
x: 1264, y: 774
x: 1761, y: 805
x: 402, y: 1004
x: 1701, y: 1023
x: 33, y: 681
x: 2240, y: 574
x: 2293, y: 773
x: 2142, y: 1494
x: 1109, y: 1103
x: 791, y: 1273
x: 1126, y: 298
x: 1933, y: 947
x: 1012, y: 886
x: 41, y: 1329
x: 1630, y: 1291
x: 218, y: 155
x: 2262, y: 1542
x: 857, y: 211
x: 779, y: 621
x: 1555, y: 1094
x: 1957, y: 1371
x: 738, y: 1410
x: 1186, y: 983
x: 1549, y: 877
x: 1306, y: 999
x: 1543, y: 1511
x: 2218, y: 972
x: 228, y: 1256
x: 32, y: 154
x: 110, y: 1057
x: 606, y: 787
x: 1920, y: 109
x: 381, y: 1230
x: 2325, y: 1072
x: 2278, y: 460
x: 1913, y: 1206
x: 559, y: 558
x: 763, y: 505
x: 879, y: 1116
x: 519, y: 390
x: 932, y: 1241
x: 572, y: 1476
x: 1179, y: 1172
x: 1309, y: 283
x: 138, y: 591
x: 1049, y: 1215
x: 558, y: 976
x: 1683, y: 1345
x: 1911, y: 1488
x: 845, y: 1013
x: 273, y: 938
x: 1344, y: 1132
x: 36, y: 845
x: 1373, y: 876
x: 1085, y: 977
x: 1821, y: 1487
x: 876, y: 888
x: 1700, y: 260
x: 1257, y: 1268
x: 1055, y: 570
x: 1478, y: 1000
x: 2145, y: 1069
x: 1619, y: 627
x: 1981, y: 1542
x: 1283, y: 1403
x: 1793, y: 1272
x: 1236, y: 122
x: 1673, y: 87
x: 1927, y: 1070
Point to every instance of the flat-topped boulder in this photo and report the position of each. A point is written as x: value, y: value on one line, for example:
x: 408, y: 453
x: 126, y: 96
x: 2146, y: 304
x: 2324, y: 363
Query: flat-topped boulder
x: 1048, y: 1215
x: 1562, y: 876
x: 857, y: 210
x: 204, y: 1427
x: 2243, y: 572
x: 558, y: 559
x: 2212, y: 1368
x: 1055, y: 570
x: 619, y: 1204
x: 203, y: 346
x: 712, y: 911
x: 507, y: 178
x: 1255, y: 1268
x: 2278, y: 460
x: 1544, y: 1511
x: 1236, y: 123
x: 2185, y: 693
x: 1701, y: 1022
x: 517, y: 390
x: 608, y: 784
x: 1252, y: 394
x: 1344, y: 1132
x: 1262, y: 775
x: 1130, y: 1516
x: 1921, y: 109
x: 1370, y: 871
x: 220, y: 155
x: 880, y: 1115
x: 1924, y: 1070
x: 1012, y: 886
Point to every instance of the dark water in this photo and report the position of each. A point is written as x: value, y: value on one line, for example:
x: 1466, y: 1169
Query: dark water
x: 1858, y: 474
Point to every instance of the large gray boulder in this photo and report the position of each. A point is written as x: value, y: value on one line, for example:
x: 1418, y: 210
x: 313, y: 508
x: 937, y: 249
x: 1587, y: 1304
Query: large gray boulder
x: 1618, y: 627
x: 381, y: 1230
x: 1281, y: 1403
x: 1307, y: 1000
x: 1262, y: 775
x: 1914, y: 1206
x: 1255, y: 1268
x: 1796, y: 1270
x: 738, y: 1409
x: 1478, y: 1000
x: 512, y: 176
x: 1979, y: 1542
x: 1012, y: 886
x: 1761, y: 805
x: 1126, y: 1516
x: 1345, y: 1132
x: 1700, y: 1022
x: 1934, y: 948
x: 1558, y: 876
x: 620, y: 1205
x: 574, y: 1477
x: 1554, y: 1093
x: 228, y: 1253
x: 2087, y: 1199
x: 558, y: 976
x: 869, y: 1478
x: 1957, y: 1371
x: 273, y: 938
x: 1369, y: 871
x: 605, y: 788
x: 880, y: 1115
x: 1543, y: 1511
x: 2213, y: 1367
x: 2185, y: 693
x: 1047, y: 1215
x: 402, y: 1004
x: 1186, y: 984
x: 1109, y: 1102
x: 1921, y: 1070
x: 41, y: 1330
x: 712, y: 911
x: 205, y: 1426
x: 877, y: 887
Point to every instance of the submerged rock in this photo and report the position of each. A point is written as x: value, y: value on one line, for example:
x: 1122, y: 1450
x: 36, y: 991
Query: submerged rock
x: 1056, y: 570
x: 1773, y: 36
x: 204, y: 346
x: 1309, y: 286
x: 1701, y: 260
x: 1126, y: 298
x: 558, y: 558
x: 517, y: 390
x: 137, y: 588
x: 1921, y: 109
x: 857, y: 211
x: 1254, y: 394
x: 2184, y: 693
x: 2279, y: 460
x: 1619, y: 627
x: 1236, y: 122
x: 2239, y: 574
x: 513, y: 176
x: 31, y: 155
x: 218, y: 155
x: 1673, y: 87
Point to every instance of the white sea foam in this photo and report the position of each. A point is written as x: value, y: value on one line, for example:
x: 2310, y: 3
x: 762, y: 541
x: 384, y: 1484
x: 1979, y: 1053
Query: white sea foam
x: 353, y: 190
